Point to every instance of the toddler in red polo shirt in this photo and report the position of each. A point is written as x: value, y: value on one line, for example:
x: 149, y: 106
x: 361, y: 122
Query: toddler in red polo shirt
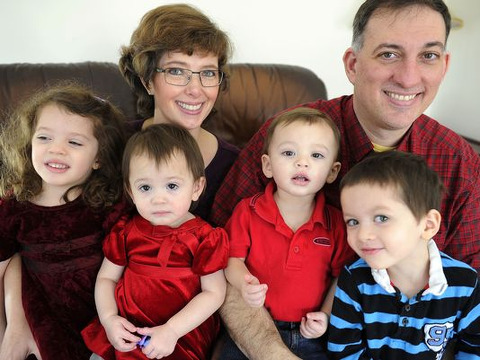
x: 287, y: 246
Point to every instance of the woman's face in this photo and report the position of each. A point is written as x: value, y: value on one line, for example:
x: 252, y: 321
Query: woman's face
x: 188, y: 105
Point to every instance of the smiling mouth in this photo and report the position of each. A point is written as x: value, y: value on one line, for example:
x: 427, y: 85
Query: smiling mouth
x: 301, y: 179
x: 57, y: 166
x: 400, y: 97
x: 189, y: 107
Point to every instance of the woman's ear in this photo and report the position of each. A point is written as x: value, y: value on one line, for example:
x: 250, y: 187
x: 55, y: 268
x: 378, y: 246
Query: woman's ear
x: 432, y: 224
x: 148, y: 86
x: 198, y: 187
x: 267, y: 166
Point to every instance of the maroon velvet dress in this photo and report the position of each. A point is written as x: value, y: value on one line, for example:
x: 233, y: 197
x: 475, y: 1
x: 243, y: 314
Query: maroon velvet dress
x: 61, y: 251
x: 162, y: 273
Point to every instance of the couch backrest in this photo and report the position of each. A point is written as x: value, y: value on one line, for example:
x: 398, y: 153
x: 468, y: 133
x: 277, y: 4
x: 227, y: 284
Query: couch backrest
x: 256, y: 91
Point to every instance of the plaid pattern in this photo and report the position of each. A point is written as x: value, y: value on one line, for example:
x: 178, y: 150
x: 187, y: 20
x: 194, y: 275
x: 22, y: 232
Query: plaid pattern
x: 445, y: 152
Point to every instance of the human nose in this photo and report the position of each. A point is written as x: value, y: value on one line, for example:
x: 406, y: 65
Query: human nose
x: 56, y: 148
x: 158, y: 197
x: 302, y: 161
x: 364, y: 233
x: 408, y: 73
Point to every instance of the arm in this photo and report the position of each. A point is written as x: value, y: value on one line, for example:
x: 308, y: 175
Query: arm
x: 3, y: 320
x: 314, y: 324
x: 252, y: 329
x: 238, y: 275
x: 200, y: 308
x: 17, y: 325
x: 119, y: 330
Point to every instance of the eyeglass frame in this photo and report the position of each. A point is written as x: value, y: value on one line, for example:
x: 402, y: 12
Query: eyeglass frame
x: 221, y: 75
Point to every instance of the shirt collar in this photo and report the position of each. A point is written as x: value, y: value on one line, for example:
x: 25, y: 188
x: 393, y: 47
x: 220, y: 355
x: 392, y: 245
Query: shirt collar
x: 437, y: 283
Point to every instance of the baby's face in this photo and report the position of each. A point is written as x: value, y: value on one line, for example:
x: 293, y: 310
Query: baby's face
x: 163, y: 192
x: 301, y: 158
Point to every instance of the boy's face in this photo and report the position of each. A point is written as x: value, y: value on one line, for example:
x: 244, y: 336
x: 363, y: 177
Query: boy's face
x: 301, y: 158
x: 383, y: 231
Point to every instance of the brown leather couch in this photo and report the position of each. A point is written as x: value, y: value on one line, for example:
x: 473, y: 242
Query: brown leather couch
x: 256, y: 91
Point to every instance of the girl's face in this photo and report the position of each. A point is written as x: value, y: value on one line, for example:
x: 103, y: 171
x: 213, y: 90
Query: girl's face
x: 189, y: 105
x: 64, y: 149
x: 163, y: 193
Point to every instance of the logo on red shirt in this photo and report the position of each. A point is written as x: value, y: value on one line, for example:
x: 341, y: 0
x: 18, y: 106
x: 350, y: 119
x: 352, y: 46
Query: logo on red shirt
x: 322, y: 241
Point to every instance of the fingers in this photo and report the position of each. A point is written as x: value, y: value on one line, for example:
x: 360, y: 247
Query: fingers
x: 314, y: 325
x: 253, y: 292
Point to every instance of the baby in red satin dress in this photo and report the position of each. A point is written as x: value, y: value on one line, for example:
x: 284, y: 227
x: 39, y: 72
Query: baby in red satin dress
x: 162, y: 276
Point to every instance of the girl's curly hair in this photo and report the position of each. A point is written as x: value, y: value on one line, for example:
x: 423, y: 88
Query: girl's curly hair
x: 18, y: 178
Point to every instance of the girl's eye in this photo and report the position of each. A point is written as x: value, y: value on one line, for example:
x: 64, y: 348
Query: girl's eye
x: 288, y: 153
x: 381, y: 218
x: 172, y: 186
x: 75, y: 143
x: 317, y: 156
x: 42, y: 137
x: 144, y: 188
x: 351, y: 222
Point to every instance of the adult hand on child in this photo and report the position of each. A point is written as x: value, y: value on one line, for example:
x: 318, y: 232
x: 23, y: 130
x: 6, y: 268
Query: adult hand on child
x: 120, y: 333
x: 314, y: 325
x: 253, y: 292
x: 162, y: 341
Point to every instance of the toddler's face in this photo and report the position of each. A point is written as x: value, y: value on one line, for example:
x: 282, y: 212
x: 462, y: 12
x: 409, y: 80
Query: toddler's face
x: 301, y: 158
x: 163, y: 193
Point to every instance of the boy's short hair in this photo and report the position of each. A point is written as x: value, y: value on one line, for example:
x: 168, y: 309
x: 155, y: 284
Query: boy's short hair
x: 419, y: 187
x: 306, y: 115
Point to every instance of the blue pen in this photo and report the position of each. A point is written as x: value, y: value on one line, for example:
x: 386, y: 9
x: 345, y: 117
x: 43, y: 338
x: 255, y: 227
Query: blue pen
x: 144, y: 342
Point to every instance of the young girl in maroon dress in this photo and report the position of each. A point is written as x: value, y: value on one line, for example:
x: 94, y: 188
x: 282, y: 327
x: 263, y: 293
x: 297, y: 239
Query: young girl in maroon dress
x: 162, y: 276
x: 60, y: 195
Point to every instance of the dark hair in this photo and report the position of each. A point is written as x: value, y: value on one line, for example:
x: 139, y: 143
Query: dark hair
x: 306, y: 115
x: 18, y: 176
x: 168, y: 28
x: 161, y: 142
x: 419, y: 187
x: 369, y: 7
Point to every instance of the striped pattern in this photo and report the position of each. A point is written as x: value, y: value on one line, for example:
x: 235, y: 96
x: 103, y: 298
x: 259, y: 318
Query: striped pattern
x: 367, y: 322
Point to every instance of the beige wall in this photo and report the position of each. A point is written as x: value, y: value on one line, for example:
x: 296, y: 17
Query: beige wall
x: 310, y: 33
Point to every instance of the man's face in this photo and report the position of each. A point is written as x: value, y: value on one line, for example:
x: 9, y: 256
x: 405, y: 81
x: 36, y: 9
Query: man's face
x: 397, y: 72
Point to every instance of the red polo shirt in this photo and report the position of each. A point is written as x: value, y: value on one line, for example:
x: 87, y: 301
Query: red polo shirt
x: 297, y: 266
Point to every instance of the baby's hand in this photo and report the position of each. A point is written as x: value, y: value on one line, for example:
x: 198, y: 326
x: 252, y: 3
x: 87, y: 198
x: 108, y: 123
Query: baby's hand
x: 162, y: 341
x: 253, y: 292
x: 120, y: 333
x: 314, y: 325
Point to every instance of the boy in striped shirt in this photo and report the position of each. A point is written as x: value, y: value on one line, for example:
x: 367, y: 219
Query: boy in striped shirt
x: 403, y: 299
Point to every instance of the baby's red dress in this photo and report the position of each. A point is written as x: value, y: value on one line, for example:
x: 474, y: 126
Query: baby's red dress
x: 162, y: 273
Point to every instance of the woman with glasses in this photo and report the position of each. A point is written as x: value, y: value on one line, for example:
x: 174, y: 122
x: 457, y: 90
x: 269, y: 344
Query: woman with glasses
x: 175, y: 64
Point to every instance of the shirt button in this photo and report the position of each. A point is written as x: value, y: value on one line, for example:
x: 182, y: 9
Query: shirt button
x: 407, y: 307
x: 296, y: 249
x: 404, y: 321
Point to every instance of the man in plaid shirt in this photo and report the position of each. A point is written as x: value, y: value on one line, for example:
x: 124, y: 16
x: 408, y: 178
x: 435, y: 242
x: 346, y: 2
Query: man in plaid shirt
x: 396, y: 63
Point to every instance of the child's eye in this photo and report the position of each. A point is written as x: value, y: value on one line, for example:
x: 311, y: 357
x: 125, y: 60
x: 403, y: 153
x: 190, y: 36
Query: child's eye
x: 144, y: 188
x: 317, y: 156
x: 288, y: 153
x: 381, y: 218
x: 75, y: 143
x: 42, y: 137
x: 172, y: 186
x: 351, y: 222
